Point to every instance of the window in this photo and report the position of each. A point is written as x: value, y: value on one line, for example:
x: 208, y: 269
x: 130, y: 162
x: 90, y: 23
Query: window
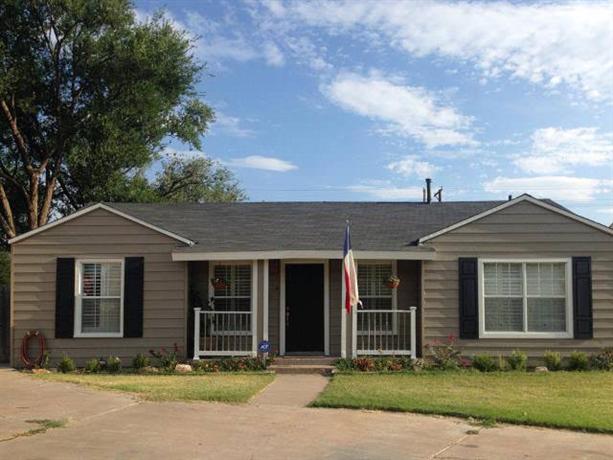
x: 374, y: 292
x: 525, y: 298
x: 376, y: 295
x: 99, y: 299
x: 232, y: 292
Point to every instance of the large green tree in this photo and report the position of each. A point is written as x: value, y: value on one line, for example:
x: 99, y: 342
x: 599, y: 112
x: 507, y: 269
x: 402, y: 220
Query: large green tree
x: 88, y: 98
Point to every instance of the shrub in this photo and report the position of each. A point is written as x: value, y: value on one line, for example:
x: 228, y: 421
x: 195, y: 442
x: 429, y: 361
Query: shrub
x: 44, y: 362
x: 344, y: 364
x: 230, y: 365
x: 66, y: 364
x: 364, y: 364
x: 444, y: 355
x: 166, y: 360
x: 140, y: 361
x: 517, y: 360
x: 553, y: 360
x: 578, y: 361
x: 502, y: 364
x: 113, y: 364
x: 484, y: 363
x: 603, y: 360
x: 93, y: 366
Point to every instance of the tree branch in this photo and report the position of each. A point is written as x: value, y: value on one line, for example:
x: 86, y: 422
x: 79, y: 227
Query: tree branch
x: 19, y: 141
x: 8, y: 223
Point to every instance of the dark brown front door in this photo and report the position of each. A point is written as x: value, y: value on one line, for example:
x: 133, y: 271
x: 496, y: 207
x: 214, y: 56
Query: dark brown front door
x: 304, y: 308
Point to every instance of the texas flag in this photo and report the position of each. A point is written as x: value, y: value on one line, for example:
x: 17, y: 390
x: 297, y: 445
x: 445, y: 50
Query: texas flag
x: 352, y: 298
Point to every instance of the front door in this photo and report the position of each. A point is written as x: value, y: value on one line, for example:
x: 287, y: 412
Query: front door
x: 304, y: 308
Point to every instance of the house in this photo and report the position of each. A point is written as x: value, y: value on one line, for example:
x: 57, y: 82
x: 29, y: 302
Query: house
x: 217, y: 279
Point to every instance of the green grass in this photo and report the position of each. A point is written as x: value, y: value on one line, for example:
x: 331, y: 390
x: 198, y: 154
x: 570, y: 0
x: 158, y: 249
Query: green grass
x: 574, y: 400
x: 235, y: 388
x: 44, y: 425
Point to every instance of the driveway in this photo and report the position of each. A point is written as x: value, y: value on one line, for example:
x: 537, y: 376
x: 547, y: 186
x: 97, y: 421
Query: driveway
x: 105, y: 424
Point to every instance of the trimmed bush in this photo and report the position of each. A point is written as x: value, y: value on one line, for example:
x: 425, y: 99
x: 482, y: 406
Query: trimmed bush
x: 603, y: 360
x: 93, y: 366
x: 444, y: 355
x: 553, y: 360
x: 113, y: 364
x: 140, y: 361
x: 166, y: 360
x: 578, y: 361
x: 66, y: 364
x: 517, y: 360
x: 484, y: 363
x: 230, y: 365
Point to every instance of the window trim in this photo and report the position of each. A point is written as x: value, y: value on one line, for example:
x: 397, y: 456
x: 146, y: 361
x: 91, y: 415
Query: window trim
x: 568, y: 334
x: 79, y: 298
x: 394, y: 264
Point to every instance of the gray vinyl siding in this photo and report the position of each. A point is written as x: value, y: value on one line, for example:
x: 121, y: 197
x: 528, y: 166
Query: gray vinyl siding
x: 527, y: 231
x: 98, y: 234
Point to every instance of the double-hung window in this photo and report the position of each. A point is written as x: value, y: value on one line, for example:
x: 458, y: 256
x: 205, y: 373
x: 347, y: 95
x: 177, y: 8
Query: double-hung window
x: 375, y: 294
x: 526, y: 298
x: 99, y: 298
x: 232, y: 291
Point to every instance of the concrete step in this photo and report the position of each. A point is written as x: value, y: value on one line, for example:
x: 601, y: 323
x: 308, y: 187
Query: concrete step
x: 301, y: 369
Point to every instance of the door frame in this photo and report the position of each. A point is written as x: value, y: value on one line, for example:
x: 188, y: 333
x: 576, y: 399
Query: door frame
x: 326, y: 266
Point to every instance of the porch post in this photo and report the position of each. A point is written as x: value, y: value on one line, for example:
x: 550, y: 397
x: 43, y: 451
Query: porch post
x: 354, y: 332
x: 265, y: 282
x: 343, y: 314
x: 197, y: 333
x: 413, y: 332
x: 254, y: 307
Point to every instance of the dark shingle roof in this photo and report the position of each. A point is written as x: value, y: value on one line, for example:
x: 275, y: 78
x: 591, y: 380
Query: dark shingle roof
x: 375, y: 226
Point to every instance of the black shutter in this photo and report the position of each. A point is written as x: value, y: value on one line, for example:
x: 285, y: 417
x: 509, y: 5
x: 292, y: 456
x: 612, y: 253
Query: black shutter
x: 582, y: 297
x: 64, y: 298
x: 133, y: 297
x: 469, y: 298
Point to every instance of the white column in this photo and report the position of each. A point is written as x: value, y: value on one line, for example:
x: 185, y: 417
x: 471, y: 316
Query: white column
x: 254, y: 307
x: 197, y: 333
x: 354, y: 332
x: 413, y: 332
x: 265, y: 300
x: 343, y: 314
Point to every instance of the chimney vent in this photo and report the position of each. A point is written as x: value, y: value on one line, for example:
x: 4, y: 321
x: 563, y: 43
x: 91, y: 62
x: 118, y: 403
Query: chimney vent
x: 428, y: 190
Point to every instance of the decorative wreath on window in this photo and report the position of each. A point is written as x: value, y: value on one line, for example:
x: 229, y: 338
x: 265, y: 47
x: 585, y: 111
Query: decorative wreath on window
x: 219, y: 283
x: 392, y: 282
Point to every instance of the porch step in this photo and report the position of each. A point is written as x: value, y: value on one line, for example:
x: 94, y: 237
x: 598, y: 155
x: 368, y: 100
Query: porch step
x: 303, y: 365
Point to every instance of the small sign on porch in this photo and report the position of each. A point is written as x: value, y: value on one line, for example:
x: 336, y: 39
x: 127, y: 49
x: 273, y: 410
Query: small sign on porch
x: 264, y: 346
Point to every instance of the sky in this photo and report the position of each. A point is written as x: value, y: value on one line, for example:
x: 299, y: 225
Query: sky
x: 362, y: 100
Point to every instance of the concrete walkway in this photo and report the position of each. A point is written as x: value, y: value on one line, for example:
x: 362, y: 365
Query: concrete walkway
x: 111, y: 425
x: 291, y: 390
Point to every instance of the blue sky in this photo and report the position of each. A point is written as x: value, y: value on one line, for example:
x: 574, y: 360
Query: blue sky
x: 359, y: 100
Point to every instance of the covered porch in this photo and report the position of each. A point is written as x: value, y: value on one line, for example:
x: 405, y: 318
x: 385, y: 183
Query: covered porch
x: 296, y: 305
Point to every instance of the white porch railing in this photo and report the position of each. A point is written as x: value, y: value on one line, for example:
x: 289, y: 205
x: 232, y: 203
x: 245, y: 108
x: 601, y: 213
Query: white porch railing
x: 223, y: 333
x: 385, y: 332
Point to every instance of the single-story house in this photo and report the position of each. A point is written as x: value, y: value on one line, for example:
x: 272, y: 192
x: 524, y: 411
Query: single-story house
x: 218, y: 278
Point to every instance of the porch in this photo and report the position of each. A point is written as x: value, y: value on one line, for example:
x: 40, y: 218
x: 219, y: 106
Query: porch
x: 296, y: 305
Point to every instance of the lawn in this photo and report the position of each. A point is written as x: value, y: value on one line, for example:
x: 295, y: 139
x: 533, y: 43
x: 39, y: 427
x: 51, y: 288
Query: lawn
x: 575, y: 400
x: 234, y: 388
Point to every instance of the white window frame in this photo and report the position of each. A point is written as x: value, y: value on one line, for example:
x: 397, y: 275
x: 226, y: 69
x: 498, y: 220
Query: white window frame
x: 79, y: 299
x: 253, y: 296
x: 394, y: 264
x: 568, y: 334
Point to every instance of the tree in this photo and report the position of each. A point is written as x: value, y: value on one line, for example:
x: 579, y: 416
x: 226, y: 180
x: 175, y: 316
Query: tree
x: 88, y: 97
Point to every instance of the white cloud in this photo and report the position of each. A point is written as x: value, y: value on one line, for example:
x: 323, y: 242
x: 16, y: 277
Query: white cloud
x: 554, y: 150
x: 388, y: 192
x: 407, y: 111
x: 231, y: 125
x: 546, y: 44
x: 273, y: 55
x: 569, y: 188
x: 261, y: 162
x: 411, y: 165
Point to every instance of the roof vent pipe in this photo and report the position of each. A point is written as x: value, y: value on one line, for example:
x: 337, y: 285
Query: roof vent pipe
x: 510, y: 197
x: 423, y: 190
x: 439, y: 195
x: 428, y: 190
